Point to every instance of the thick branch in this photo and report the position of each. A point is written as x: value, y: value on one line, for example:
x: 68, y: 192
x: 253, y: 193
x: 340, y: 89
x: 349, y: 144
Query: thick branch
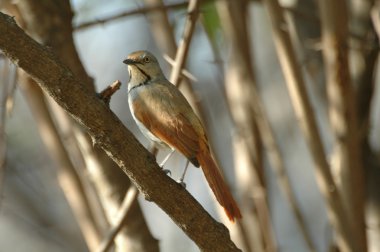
x: 51, y: 24
x: 109, y: 133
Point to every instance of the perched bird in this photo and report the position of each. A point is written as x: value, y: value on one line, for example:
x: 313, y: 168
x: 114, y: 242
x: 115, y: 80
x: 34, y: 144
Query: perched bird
x: 164, y: 115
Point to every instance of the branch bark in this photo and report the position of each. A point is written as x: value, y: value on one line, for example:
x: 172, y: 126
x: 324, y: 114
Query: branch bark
x: 51, y: 23
x: 108, y: 133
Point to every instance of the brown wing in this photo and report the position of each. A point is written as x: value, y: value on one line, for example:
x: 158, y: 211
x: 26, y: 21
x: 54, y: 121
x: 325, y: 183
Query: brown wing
x: 168, y: 116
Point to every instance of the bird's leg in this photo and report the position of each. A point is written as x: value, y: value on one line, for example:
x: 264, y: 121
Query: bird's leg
x: 180, y: 181
x: 164, y: 162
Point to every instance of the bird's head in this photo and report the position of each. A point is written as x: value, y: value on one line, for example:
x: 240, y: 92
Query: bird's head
x: 142, y: 66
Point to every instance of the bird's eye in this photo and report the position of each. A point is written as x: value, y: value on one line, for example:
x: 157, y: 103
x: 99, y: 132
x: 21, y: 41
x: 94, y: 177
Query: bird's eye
x: 146, y: 59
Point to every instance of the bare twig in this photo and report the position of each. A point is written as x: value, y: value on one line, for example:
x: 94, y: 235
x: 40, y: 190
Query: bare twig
x: 130, y: 13
x: 122, y: 217
x: 105, y: 94
x: 305, y: 115
x: 184, y: 44
x: 111, y: 135
x: 163, y: 33
x: 185, y: 73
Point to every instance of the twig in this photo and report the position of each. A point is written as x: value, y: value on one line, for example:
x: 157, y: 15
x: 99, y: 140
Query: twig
x: 111, y: 135
x: 106, y: 94
x: 306, y: 118
x: 184, y: 44
x: 185, y: 73
x: 122, y: 217
x: 130, y: 13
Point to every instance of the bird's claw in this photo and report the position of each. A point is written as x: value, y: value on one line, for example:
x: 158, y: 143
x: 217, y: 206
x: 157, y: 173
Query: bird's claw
x: 167, y: 172
x: 183, y: 184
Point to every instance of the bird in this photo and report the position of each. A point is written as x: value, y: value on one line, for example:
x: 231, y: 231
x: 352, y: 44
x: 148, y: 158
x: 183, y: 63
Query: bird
x: 164, y: 116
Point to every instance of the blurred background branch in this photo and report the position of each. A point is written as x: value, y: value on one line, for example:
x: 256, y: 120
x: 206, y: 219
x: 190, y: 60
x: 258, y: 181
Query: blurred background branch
x: 241, y: 52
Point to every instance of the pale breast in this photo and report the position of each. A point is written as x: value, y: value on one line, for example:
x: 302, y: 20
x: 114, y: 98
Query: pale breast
x: 163, y: 115
x: 134, y: 95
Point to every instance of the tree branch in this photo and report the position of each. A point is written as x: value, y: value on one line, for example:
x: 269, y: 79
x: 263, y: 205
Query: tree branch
x: 110, y: 134
x: 346, y: 159
x: 305, y: 114
x: 144, y: 10
x: 121, y: 221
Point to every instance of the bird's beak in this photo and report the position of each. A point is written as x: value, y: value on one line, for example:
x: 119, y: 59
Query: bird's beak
x: 130, y: 62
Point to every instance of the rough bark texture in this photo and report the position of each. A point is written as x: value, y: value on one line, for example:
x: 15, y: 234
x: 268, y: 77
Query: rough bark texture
x: 50, y: 23
x: 109, y: 133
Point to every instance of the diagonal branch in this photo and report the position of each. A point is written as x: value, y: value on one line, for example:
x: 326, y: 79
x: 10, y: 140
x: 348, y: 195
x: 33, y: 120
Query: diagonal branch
x: 68, y: 176
x: 110, y: 134
x: 144, y: 10
x: 184, y: 44
x: 131, y: 196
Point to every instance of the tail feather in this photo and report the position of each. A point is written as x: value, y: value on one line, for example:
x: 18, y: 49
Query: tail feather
x: 217, y: 184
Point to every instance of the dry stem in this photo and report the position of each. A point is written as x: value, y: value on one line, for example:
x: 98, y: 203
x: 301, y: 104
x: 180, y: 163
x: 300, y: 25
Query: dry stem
x: 305, y: 115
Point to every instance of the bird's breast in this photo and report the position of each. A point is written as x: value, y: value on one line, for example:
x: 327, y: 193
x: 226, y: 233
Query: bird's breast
x: 140, y: 105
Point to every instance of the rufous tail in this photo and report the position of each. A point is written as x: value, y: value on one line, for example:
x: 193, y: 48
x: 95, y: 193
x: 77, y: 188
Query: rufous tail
x: 217, y: 184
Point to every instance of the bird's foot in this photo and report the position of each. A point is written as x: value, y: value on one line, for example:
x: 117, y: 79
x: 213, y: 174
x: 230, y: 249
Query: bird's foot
x: 166, y: 171
x: 183, y: 184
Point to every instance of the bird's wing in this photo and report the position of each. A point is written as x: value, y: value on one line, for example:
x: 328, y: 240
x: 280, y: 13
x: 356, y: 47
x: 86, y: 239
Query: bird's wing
x: 164, y: 111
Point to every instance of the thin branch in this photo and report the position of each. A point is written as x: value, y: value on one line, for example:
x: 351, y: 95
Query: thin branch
x: 105, y: 94
x: 8, y: 82
x: 375, y: 17
x: 184, y: 44
x: 3, y: 112
x: 138, y: 11
x: 239, y: 85
x: 346, y: 159
x: 110, y: 134
x: 164, y: 36
x: 185, y: 72
x: 306, y: 118
x: 122, y: 218
x: 162, y: 32
x: 68, y: 177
